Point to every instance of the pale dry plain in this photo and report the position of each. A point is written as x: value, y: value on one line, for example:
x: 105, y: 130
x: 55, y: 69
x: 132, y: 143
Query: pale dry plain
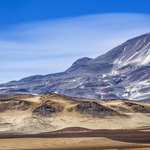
x: 94, y: 143
x: 25, y: 118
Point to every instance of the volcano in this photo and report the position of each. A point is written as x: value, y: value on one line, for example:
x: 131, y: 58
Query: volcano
x: 121, y: 73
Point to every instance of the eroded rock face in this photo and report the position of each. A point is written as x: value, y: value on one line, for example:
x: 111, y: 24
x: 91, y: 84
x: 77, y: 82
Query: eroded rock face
x: 48, y: 108
x: 95, y: 109
x: 14, y: 105
x: 137, y: 107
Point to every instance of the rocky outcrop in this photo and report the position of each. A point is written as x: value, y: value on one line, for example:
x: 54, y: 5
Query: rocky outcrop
x: 14, y: 105
x: 95, y: 109
x: 48, y: 108
x: 138, y: 108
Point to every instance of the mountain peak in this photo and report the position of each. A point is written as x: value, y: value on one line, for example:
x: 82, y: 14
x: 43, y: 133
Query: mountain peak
x: 78, y: 63
x: 81, y: 60
x: 123, y: 72
x: 143, y: 36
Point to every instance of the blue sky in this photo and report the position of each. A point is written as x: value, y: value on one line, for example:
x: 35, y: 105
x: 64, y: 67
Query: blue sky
x: 47, y: 36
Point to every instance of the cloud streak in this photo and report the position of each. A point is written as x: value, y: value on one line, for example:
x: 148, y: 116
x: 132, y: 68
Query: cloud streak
x: 52, y: 46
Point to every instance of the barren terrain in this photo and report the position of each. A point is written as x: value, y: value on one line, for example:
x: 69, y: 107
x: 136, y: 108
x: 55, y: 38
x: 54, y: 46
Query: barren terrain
x: 80, y: 138
x: 26, y: 114
x: 52, y: 121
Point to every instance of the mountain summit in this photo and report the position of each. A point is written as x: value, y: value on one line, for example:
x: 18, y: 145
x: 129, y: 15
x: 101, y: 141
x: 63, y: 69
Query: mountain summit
x: 123, y: 72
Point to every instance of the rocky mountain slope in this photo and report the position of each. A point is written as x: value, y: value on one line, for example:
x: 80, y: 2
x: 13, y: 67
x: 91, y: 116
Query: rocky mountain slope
x: 123, y: 72
x: 49, y: 112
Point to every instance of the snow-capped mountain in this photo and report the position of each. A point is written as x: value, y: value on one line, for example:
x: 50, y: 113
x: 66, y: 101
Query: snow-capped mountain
x: 123, y: 72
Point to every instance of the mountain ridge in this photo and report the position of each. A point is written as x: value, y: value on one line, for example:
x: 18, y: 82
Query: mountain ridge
x: 123, y: 72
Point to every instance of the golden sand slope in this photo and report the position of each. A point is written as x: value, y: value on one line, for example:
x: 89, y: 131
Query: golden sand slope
x: 50, y: 112
x: 69, y: 143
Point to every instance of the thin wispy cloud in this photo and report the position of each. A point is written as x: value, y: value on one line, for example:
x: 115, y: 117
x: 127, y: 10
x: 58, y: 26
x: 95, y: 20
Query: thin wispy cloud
x: 53, y: 45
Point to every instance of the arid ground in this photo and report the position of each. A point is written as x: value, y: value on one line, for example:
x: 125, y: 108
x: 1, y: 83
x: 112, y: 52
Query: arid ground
x: 80, y: 139
x: 52, y: 121
x: 28, y: 114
